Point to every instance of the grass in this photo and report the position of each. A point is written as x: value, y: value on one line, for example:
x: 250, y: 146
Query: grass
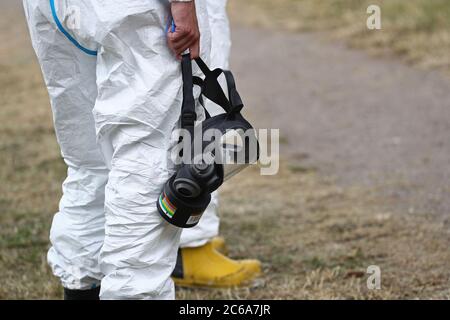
x: 315, y: 239
x: 416, y: 30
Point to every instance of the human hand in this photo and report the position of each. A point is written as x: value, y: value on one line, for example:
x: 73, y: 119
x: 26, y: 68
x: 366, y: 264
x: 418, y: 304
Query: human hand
x: 186, y: 34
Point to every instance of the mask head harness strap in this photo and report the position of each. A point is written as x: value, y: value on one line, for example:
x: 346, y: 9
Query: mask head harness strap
x: 210, y: 88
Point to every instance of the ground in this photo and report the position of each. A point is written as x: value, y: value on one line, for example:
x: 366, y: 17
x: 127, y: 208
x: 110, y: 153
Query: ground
x: 363, y: 177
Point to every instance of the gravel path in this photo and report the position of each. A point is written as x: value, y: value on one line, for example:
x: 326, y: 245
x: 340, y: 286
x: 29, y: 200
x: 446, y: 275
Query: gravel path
x: 366, y: 121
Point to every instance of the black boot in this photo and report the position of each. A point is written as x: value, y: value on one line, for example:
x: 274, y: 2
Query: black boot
x: 92, y: 294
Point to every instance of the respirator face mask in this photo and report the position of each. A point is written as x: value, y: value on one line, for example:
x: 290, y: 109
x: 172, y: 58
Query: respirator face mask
x: 228, y: 144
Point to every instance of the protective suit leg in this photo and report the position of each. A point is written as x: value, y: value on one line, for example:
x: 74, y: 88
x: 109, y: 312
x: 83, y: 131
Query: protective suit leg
x: 137, y: 102
x: 78, y: 228
x: 208, y: 227
x: 220, y: 33
x: 138, y: 106
x: 201, y: 259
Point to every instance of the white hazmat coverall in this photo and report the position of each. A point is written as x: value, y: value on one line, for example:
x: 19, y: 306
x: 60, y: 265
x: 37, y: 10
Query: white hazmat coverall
x: 208, y: 227
x: 116, y: 93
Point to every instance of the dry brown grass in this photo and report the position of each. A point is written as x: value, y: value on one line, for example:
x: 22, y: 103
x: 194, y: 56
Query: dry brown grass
x: 416, y: 30
x: 315, y: 239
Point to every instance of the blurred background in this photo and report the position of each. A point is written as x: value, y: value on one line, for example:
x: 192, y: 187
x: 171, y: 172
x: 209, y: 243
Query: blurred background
x: 365, y: 152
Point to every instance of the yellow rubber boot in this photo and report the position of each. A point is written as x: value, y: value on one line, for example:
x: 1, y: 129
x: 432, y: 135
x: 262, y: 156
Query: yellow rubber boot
x: 206, y: 267
x: 219, y: 244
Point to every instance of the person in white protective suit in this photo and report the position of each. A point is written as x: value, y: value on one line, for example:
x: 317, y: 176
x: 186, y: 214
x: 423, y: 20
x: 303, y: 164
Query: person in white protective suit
x: 115, y: 89
x: 202, y: 259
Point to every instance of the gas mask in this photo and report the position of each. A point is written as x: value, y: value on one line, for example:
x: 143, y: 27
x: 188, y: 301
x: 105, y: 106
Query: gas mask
x: 228, y: 144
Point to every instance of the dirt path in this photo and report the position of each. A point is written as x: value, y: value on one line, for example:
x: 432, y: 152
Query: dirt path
x: 366, y: 121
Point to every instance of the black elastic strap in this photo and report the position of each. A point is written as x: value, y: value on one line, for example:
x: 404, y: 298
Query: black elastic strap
x: 202, y: 65
x: 199, y: 82
x: 233, y: 94
x: 188, y: 115
x: 211, y: 87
